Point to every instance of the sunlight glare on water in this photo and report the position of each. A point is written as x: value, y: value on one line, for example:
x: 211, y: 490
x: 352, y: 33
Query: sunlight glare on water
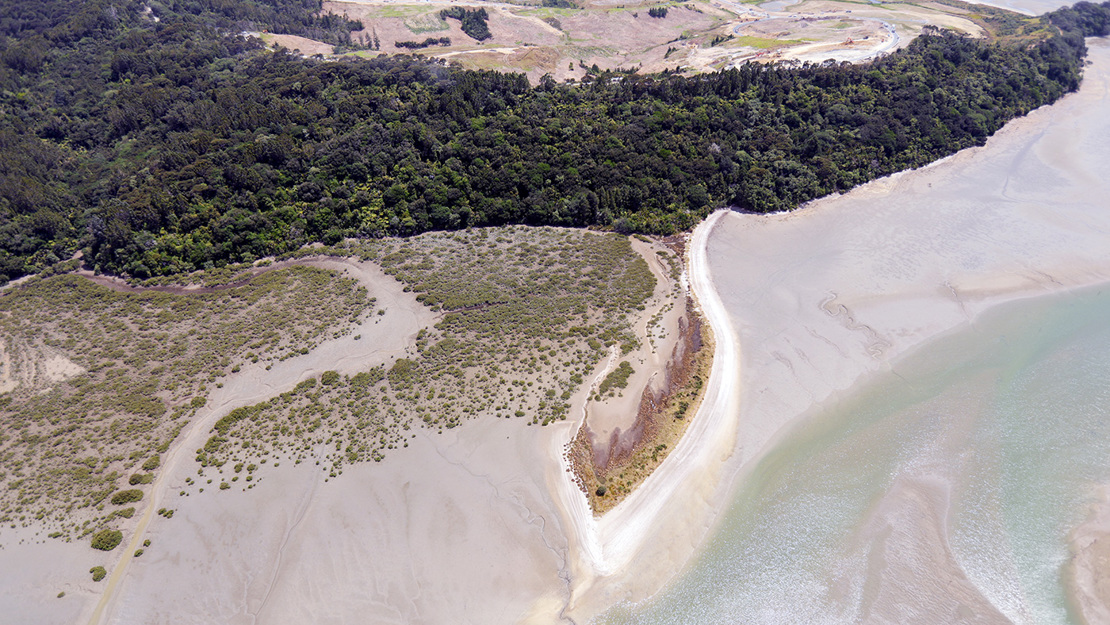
x: 1004, y: 421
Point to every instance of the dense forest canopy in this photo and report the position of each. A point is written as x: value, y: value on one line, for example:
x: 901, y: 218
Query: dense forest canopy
x: 158, y: 139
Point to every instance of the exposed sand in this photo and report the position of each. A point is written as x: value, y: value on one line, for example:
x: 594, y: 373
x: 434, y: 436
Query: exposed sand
x: 691, y: 36
x: 1088, y: 574
x: 620, y: 557
x: 384, y: 338
x: 823, y: 297
x: 34, y: 569
x: 33, y: 366
x: 481, y: 524
x: 612, y: 417
x: 451, y: 529
x: 297, y: 45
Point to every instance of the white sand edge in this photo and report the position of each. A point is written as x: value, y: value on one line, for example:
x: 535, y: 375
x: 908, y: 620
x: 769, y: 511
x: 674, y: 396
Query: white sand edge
x: 827, y: 297
x: 605, y: 547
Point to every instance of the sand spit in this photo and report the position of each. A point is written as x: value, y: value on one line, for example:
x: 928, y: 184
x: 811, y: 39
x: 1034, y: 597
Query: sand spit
x: 824, y: 297
x: 484, y: 525
x: 616, y: 557
x: 1088, y: 574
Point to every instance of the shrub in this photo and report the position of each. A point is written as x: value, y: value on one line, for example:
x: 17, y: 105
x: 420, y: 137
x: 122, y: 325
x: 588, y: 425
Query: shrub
x: 107, y: 540
x: 152, y: 463
x: 98, y: 573
x: 140, y: 478
x: 127, y: 496
x: 330, y: 378
x: 618, y: 378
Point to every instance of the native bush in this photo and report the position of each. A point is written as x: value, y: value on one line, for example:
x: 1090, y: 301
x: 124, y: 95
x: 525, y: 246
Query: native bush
x: 107, y: 540
x: 127, y: 496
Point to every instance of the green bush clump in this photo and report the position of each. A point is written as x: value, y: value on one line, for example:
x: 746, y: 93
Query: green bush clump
x: 107, y: 540
x: 617, y: 378
x: 140, y: 478
x: 330, y: 378
x: 127, y: 496
x: 152, y: 463
x: 98, y: 573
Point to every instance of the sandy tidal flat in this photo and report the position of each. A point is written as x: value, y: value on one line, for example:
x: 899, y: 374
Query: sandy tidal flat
x: 826, y: 298
x: 478, y: 525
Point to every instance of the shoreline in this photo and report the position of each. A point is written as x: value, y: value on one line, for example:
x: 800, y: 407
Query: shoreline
x: 1087, y: 572
x: 824, y: 298
x: 605, y: 548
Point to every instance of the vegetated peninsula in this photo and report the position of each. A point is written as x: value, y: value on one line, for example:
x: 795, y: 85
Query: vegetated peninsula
x: 150, y: 142
x: 160, y: 141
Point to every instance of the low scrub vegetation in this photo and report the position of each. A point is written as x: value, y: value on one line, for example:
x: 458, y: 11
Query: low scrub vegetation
x: 527, y: 314
x: 127, y: 496
x: 149, y: 357
x: 107, y: 540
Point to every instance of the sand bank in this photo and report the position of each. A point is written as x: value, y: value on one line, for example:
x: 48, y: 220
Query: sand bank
x: 824, y: 297
x: 612, y: 559
x: 1088, y: 573
x: 451, y: 529
x: 481, y: 524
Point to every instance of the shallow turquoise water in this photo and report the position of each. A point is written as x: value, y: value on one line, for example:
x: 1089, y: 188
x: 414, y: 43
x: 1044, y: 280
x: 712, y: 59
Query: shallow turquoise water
x: 1005, y: 420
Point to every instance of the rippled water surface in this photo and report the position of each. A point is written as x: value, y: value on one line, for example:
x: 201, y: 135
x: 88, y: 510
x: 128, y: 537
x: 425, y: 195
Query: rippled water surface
x: 942, y: 490
x: 988, y: 439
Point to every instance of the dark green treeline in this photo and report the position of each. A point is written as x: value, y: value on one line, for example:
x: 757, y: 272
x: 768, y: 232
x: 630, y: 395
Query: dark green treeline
x: 169, y: 145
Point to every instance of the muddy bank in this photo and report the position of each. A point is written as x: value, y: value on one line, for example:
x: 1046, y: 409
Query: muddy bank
x: 603, y: 467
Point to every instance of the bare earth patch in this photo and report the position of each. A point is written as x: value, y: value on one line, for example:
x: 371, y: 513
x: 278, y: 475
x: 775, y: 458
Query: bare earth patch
x: 568, y: 44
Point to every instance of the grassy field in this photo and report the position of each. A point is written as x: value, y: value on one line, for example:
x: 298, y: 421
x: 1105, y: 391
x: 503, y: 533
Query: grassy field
x: 146, y: 360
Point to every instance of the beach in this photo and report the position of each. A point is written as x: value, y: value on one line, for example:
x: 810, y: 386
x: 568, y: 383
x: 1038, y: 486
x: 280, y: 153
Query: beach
x: 484, y: 523
x: 828, y: 297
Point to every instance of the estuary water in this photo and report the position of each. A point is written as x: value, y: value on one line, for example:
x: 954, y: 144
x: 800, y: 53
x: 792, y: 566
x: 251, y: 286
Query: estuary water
x: 943, y: 488
x: 962, y: 469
